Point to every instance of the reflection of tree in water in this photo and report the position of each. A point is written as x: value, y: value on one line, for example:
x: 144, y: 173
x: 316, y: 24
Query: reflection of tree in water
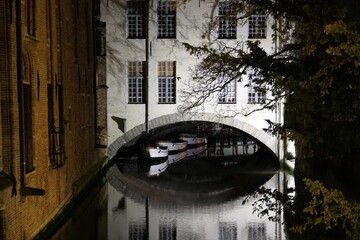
x: 327, y: 215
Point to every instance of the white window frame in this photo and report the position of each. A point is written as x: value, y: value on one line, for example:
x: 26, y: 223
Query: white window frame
x: 227, y: 21
x: 166, y: 19
x: 135, y: 82
x: 254, y: 96
x: 135, y: 19
x: 257, y: 26
x: 228, y: 93
x: 166, y: 82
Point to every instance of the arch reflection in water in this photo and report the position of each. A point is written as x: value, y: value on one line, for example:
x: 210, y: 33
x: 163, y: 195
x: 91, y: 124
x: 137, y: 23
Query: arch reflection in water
x: 195, y: 198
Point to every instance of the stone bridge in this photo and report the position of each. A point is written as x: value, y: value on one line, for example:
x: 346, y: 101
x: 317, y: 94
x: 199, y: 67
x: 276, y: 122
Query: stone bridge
x: 265, y: 139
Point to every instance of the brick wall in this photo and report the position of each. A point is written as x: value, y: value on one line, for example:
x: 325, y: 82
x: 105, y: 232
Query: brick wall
x: 59, y: 54
x: 101, y: 102
x: 3, y: 70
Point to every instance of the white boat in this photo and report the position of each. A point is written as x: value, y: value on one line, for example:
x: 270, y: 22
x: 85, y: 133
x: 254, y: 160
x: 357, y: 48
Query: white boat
x: 156, y: 169
x: 173, y: 158
x: 192, y: 152
x: 155, y: 152
x: 174, y: 146
x: 155, y: 159
x: 193, y: 140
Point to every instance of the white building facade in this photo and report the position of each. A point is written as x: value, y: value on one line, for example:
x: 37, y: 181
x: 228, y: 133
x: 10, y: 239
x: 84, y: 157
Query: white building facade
x: 170, y: 66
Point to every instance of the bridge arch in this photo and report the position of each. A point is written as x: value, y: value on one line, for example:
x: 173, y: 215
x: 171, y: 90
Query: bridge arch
x: 260, y: 135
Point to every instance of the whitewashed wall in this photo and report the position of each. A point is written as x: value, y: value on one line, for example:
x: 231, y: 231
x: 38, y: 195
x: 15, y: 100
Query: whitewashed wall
x: 192, y: 21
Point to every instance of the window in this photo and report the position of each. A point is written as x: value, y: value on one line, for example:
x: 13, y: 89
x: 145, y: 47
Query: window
x: 135, y: 19
x: 27, y: 115
x: 101, y: 39
x: 60, y: 131
x: 255, y: 96
x: 166, y: 71
x: 167, y: 229
x: 137, y: 230
x: 55, y: 128
x: 227, y: 21
x: 135, y: 76
x: 51, y: 125
x: 166, y: 19
x: 257, y: 26
x: 56, y: 132
x: 28, y: 127
x: 30, y: 17
x: 228, y: 93
x: 227, y: 231
x: 256, y: 231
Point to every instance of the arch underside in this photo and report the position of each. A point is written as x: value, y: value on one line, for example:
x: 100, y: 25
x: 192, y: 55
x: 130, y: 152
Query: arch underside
x: 158, y: 123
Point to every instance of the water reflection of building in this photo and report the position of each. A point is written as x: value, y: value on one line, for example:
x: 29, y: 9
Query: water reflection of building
x: 225, y: 221
x: 232, y: 147
x: 256, y: 231
x: 222, y: 219
x: 227, y: 231
x: 167, y: 229
x: 137, y: 230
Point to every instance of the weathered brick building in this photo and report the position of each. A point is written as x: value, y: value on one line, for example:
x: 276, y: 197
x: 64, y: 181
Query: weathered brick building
x: 48, y: 109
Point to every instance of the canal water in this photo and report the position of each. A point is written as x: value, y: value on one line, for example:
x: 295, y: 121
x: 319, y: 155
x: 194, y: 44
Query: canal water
x: 208, y: 193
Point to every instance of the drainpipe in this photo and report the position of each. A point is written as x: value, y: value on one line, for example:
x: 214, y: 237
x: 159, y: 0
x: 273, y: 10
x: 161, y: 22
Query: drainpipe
x: 23, y: 189
x: 146, y: 83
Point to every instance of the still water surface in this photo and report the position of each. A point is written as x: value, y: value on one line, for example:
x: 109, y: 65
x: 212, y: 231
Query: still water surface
x: 202, y: 196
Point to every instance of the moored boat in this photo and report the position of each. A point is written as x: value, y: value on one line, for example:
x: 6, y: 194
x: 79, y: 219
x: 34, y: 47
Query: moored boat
x: 156, y: 169
x: 192, y: 152
x: 174, y: 146
x: 172, y: 158
x: 155, y: 152
x: 155, y: 159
